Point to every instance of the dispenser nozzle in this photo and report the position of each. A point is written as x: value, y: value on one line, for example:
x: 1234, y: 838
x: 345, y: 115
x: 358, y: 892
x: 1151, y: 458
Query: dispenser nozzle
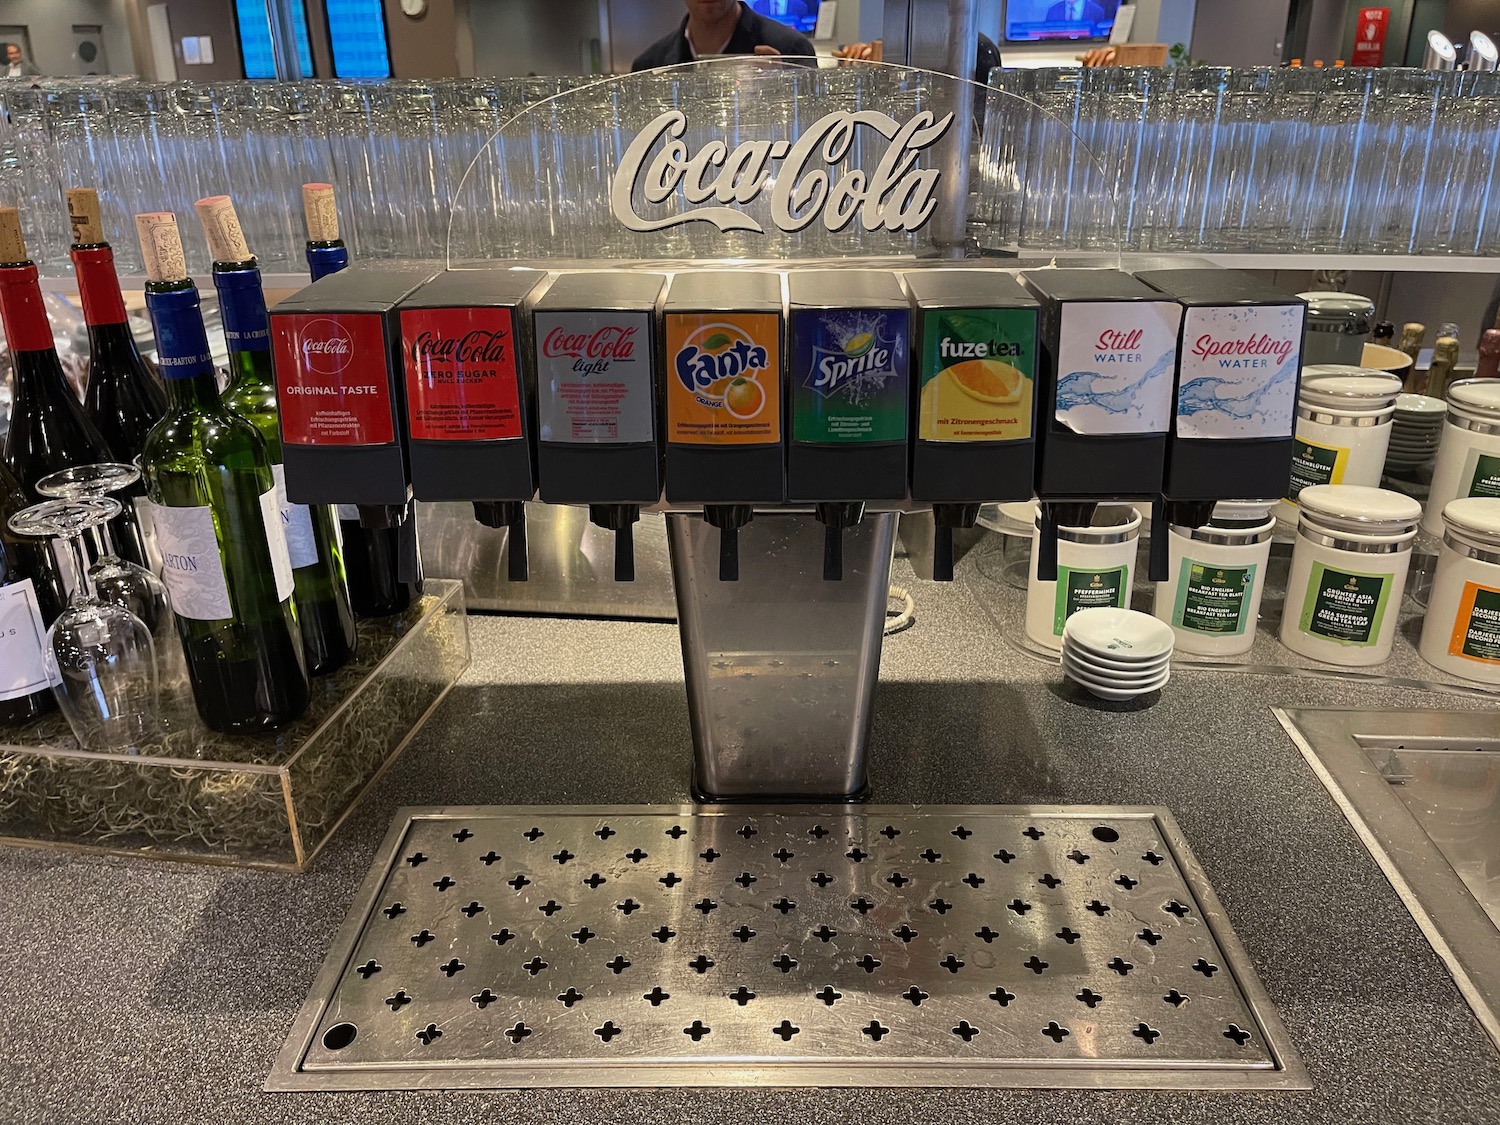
x: 619, y: 518
x: 728, y: 518
x: 946, y: 517
x: 835, y: 517
x: 511, y: 515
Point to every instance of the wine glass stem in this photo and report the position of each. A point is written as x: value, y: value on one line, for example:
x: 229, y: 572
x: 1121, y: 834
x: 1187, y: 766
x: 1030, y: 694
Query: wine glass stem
x: 85, y: 590
x: 99, y: 537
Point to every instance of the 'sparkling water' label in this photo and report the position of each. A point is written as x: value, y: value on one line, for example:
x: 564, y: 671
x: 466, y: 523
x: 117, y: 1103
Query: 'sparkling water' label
x: 1476, y: 629
x: 849, y: 370
x: 1238, y: 373
x: 1115, y: 364
x: 1343, y: 606
x: 1211, y: 599
x: 594, y: 377
x: 977, y: 375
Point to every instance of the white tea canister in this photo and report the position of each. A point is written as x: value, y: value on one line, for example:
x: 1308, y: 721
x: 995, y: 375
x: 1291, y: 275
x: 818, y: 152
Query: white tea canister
x: 1468, y: 457
x: 1461, y: 634
x: 1217, y: 575
x: 1344, y: 419
x: 1095, y: 567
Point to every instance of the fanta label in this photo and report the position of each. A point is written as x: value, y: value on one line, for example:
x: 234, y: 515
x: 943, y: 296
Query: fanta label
x: 723, y: 378
x: 850, y: 369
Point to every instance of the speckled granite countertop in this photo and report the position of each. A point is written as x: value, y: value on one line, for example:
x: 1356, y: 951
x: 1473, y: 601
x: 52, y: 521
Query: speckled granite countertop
x: 155, y: 993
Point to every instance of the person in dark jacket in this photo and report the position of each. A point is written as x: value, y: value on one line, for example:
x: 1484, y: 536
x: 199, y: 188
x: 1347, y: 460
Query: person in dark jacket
x: 722, y: 27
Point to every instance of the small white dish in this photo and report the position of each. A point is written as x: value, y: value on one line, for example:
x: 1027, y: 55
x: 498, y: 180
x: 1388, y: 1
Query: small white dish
x: 1120, y: 634
x: 1119, y: 694
x: 1111, y: 677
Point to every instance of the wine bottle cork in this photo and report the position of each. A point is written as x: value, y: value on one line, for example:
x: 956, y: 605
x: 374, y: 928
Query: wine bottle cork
x: 221, y: 226
x: 84, y: 216
x: 161, y: 246
x: 322, y: 214
x: 12, y: 242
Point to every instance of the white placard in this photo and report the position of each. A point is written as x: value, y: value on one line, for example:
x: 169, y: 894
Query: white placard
x: 1124, y: 21
x: 828, y: 11
x: 190, y: 50
x: 206, y: 49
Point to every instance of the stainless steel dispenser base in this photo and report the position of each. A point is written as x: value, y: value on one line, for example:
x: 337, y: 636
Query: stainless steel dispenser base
x: 837, y: 946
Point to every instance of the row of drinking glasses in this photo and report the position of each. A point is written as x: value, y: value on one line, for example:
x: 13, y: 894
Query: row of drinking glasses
x: 1387, y: 161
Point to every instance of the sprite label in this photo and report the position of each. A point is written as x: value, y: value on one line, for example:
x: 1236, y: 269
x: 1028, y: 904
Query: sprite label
x: 850, y: 369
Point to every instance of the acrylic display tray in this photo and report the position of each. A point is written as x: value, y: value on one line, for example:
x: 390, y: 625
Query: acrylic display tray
x: 267, y: 800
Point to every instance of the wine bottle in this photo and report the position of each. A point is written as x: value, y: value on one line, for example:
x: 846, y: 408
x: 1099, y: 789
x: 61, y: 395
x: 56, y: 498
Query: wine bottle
x: 1488, y: 366
x: 31, y: 597
x: 217, y: 519
x: 1440, y: 371
x: 312, y: 534
x: 383, y: 564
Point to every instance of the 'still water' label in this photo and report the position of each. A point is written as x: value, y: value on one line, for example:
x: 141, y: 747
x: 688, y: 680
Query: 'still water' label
x: 461, y: 382
x: 281, y: 560
x: 296, y: 525
x: 1211, y: 599
x: 191, y: 565
x: 1088, y: 589
x: 23, y: 636
x: 850, y: 369
x: 1345, y: 607
x: 1483, y: 474
x: 1116, y: 362
x: 1476, y: 629
x: 723, y: 378
x: 1315, y: 464
x: 1238, y: 373
x: 977, y: 375
x: 594, y: 377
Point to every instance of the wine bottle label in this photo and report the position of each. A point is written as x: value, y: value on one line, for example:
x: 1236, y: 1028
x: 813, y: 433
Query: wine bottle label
x: 1116, y: 363
x: 461, y: 374
x: 1238, y: 373
x: 192, y: 567
x: 23, y: 637
x: 296, y: 525
x: 281, y: 561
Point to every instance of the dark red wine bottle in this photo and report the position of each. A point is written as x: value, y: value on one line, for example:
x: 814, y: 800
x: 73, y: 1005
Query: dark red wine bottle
x: 31, y: 597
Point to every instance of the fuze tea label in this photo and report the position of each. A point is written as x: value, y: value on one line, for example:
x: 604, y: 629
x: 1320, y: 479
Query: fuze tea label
x: 594, y: 377
x: 1344, y: 606
x: 1476, y: 628
x: 849, y: 370
x: 977, y: 375
x: 1238, y: 374
x: 1315, y: 464
x: 1116, y: 362
x: 723, y: 378
x: 1088, y: 589
x: 1211, y: 599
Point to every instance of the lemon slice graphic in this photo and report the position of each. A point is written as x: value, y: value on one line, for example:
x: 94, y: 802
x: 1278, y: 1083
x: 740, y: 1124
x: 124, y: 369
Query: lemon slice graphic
x: 987, y: 380
x: 859, y: 345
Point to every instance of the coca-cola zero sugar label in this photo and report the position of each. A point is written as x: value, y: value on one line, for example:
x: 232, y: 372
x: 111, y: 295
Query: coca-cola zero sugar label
x: 1115, y: 365
x: 332, y: 383
x: 594, y: 377
x: 1238, y: 375
x: 460, y: 374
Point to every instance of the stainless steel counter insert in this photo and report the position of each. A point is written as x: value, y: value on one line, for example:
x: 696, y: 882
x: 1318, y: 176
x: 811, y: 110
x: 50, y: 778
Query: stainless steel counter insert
x: 863, y: 946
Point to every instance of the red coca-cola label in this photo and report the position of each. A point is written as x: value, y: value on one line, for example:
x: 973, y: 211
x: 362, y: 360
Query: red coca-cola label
x: 332, y: 382
x: 460, y: 374
x: 98, y: 286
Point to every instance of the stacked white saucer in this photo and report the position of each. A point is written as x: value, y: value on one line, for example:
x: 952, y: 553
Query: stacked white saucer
x: 1415, y: 430
x: 1117, y: 653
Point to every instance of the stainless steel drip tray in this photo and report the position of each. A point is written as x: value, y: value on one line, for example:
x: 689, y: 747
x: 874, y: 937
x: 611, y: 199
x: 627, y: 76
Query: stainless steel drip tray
x: 717, y: 945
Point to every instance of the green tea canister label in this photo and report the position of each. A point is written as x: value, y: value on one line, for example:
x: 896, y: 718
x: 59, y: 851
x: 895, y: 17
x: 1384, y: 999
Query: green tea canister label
x: 1483, y: 476
x: 850, y: 375
x: 1088, y: 589
x: 1476, y: 632
x: 1211, y: 599
x: 1345, y: 607
x: 1315, y: 464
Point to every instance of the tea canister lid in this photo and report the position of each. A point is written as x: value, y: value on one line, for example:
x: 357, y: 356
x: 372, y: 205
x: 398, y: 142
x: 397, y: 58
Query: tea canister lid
x: 1476, y: 396
x: 1476, y: 518
x: 1338, y: 312
x: 1337, y: 384
x: 1359, y: 509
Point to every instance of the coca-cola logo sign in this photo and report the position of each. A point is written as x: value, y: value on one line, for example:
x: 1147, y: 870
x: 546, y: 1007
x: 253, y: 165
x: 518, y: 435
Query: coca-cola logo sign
x: 802, y: 175
x: 477, y: 346
x: 612, y: 341
x: 326, y: 347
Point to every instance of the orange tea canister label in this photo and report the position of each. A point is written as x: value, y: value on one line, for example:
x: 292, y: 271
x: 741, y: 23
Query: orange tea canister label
x: 723, y: 378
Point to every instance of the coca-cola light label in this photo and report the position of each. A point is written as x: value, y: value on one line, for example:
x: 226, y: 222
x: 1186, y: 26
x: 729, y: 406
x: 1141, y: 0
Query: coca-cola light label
x: 1238, y: 375
x: 594, y: 377
x: 1115, y: 365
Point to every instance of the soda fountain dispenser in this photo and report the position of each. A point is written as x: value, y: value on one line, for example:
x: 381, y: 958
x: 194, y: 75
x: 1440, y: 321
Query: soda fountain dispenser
x: 598, y: 432
x: 724, y: 398
x: 974, y: 439
x: 1108, y: 359
x: 336, y: 352
x: 849, y: 360
x: 471, y: 396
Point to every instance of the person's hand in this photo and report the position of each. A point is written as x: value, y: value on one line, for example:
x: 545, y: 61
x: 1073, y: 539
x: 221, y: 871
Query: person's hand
x: 762, y: 49
x: 857, y: 51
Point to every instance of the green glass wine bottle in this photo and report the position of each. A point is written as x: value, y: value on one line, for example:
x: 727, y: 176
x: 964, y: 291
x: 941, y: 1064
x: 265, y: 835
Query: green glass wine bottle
x: 216, y: 517
x: 312, y: 531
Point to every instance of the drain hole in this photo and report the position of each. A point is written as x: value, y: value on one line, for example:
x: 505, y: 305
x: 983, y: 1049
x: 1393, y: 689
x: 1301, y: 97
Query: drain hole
x: 786, y: 1029
x: 1153, y: 859
x: 1004, y: 856
x: 462, y: 834
x: 339, y: 1036
x: 1105, y: 834
x: 696, y: 1030
x: 741, y: 996
x: 1055, y: 1033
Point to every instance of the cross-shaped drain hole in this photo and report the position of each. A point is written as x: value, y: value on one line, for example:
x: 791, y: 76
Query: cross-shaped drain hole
x: 1176, y: 909
x: 1078, y: 857
x: 628, y: 907
x: 696, y: 1030
x: 1005, y: 856
x: 499, y: 939
x: 605, y: 832
x: 897, y: 880
x: 868, y: 964
x: 829, y: 995
x: 986, y: 935
x: 484, y: 999
x: 462, y: 834
x: 635, y: 855
x: 534, y: 966
x: 941, y: 905
x: 875, y: 1030
x: 518, y: 882
x: 608, y: 1031
x: 783, y: 855
x: 1120, y: 965
x: 533, y: 834
x: 1049, y: 881
x: 394, y: 910
x: 786, y: 1030
x: 429, y: 1033
x: 701, y: 964
x: 857, y: 854
x: 744, y: 933
x: 1146, y: 1032
x: 862, y: 905
x: 961, y: 832
x: 1002, y: 997
x: 708, y: 855
x: 563, y: 856
x: 930, y: 856
x: 472, y: 909
x: 1069, y: 935
x: 1054, y: 1032
x: 1090, y: 997
x: 1127, y: 882
x: 821, y: 879
x: 582, y: 936
x: 1149, y: 936
x: 915, y: 995
x: 444, y: 883
x: 973, y: 879
x: 784, y: 904
x: 670, y: 880
x: 1019, y: 906
x: 517, y: 1033
x: 664, y: 934
x: 746, y: 832
x: 824, y: 934
x: 1176, y: 999
x: 817, y: 832
x: 1238, y: 1034
x: 890, y: 832
x: 490, y: 858
x: 368, y: 969
x: 785, y: 963
x: 904, y: 934
x: 1033, y: 833
x: 595, y: 881
x: 1207, y: 968
x: 677, y: 832
x: 1035, y: 964
x: 451, y: 968
x: 705, y: 906
x: 741, y: 996
x: 618, y: 965
x: 744, y: 879
x: 951, y: 963
x: 656, y: 996
x: 1099, y: 908
x: 964, y: 1031
x: 398, y: 1001
x: 416, y: 859
x: 421, y: 939
x: 570, y: 997
x: 1153, y: 859
x: 550, y: 907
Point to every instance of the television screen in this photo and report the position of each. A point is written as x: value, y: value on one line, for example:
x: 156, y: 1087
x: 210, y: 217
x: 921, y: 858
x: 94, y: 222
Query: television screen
x: 800, y: 14
x: 1031, y: 21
